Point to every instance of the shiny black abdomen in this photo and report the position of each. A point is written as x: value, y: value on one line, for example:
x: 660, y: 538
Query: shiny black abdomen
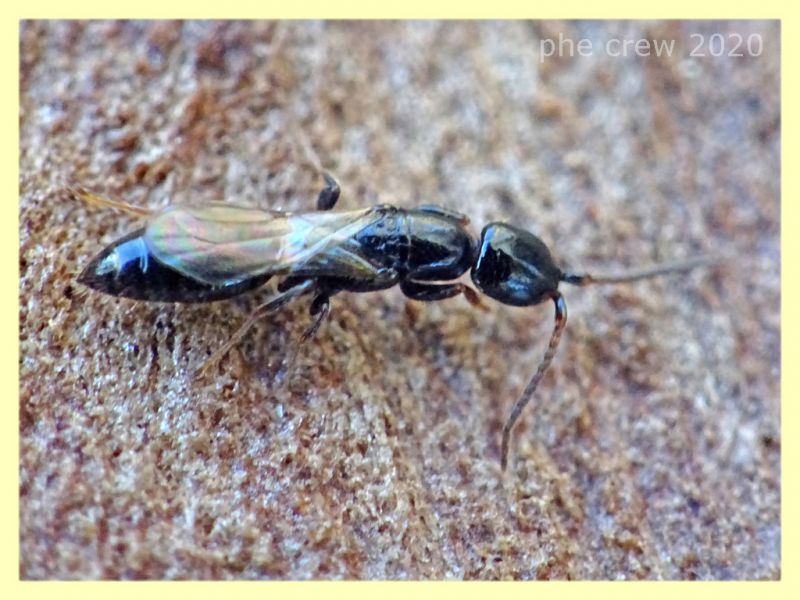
x: 128, y: 269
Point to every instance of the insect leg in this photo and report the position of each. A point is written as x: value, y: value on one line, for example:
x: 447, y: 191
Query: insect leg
x: 271, y: 305
x: 329, y: 195
x: 430, y: 292
x: 320, y: 308
x: 90, y: 198
x: 522, y: 401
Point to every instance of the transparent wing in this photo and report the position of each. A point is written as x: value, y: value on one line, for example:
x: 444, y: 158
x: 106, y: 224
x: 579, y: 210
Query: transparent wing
x: 221, y: 244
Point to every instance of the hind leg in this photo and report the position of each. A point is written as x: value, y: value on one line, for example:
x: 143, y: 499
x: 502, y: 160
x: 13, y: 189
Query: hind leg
x: 274, y: 303
x: 431, y: 292
x: 320, y: 308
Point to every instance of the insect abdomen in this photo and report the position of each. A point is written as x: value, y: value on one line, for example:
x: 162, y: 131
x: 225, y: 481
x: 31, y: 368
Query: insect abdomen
x: 128, y: 269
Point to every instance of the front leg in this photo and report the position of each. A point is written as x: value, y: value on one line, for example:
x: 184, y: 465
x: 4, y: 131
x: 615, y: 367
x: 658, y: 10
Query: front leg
x: 431, y: 292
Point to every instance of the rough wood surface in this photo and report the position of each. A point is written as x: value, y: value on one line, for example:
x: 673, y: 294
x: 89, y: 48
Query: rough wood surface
x: 651, y: 451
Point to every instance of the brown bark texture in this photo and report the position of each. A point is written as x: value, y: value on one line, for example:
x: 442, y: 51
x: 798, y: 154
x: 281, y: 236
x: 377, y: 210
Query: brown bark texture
x: 652, y: 448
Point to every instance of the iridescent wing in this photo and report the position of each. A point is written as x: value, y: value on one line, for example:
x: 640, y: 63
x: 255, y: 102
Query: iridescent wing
x: 222, y: 244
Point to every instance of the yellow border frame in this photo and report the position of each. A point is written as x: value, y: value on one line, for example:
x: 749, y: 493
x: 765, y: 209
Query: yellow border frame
x: 9, y: 451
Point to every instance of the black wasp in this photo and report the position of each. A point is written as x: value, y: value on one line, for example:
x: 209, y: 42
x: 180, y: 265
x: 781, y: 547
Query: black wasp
x: 217, y: 250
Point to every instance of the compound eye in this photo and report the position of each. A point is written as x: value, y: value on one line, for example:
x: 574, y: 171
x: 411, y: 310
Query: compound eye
x: 514, y: 266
